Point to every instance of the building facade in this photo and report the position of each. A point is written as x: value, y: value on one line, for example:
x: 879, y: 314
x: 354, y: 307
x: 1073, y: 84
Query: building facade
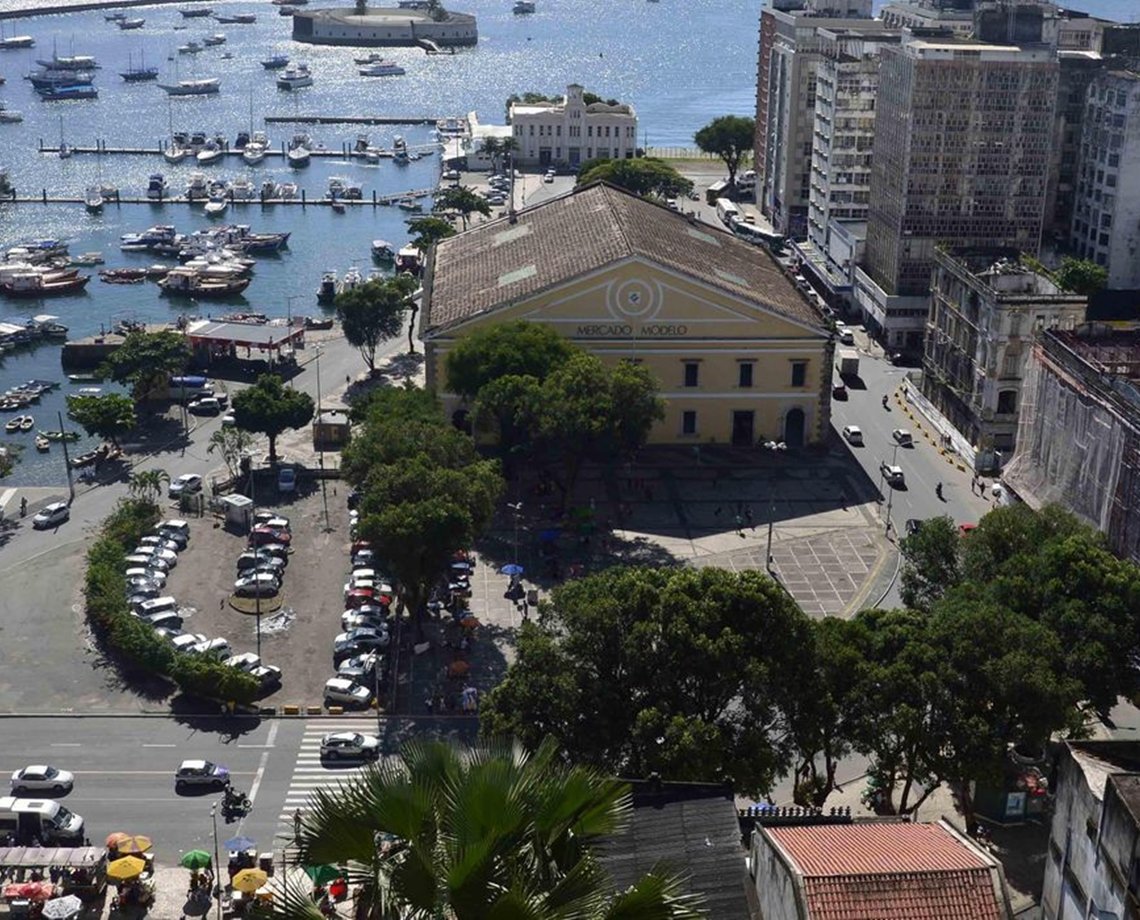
x: 570, y: 132
x: 790, y: 50
x: 379, y: 28
x: 1078, y: 437
x: 1106, y: 210
x: 963, y: 135
x: 984, y: 308
x: 740, y: 354
x: 1093, y: 863
x: 847, y: 83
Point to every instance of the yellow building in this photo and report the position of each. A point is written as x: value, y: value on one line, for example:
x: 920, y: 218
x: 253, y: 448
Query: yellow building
x: 741, y: 356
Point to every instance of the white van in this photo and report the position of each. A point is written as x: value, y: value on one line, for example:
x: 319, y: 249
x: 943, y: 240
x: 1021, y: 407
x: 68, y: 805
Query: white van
x: 157, y: 605
x: 727, y: 211
x: 39, y: 819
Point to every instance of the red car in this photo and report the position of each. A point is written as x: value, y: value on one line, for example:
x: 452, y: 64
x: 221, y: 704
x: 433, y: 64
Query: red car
x: 260, y: 535
x: 359, y: 597
x: 359, y: 545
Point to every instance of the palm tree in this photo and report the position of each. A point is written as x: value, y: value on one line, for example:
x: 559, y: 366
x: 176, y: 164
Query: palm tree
x: 492, y: 149
x: 148, y: 484
x: 477, y: 833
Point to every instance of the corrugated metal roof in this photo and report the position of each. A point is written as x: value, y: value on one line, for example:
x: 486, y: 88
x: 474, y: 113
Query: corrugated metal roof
x: 498, y: 263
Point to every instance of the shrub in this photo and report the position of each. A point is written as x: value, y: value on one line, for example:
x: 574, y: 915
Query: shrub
x: 132, y: 639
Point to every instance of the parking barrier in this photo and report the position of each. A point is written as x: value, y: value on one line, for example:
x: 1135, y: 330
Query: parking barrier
x: 290, y: 710
x: 336, y: 710
x: 313, y: 710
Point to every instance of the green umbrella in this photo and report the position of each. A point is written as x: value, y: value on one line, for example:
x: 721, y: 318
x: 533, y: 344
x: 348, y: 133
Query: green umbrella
x: 322, y: 875
x: 195, y: 859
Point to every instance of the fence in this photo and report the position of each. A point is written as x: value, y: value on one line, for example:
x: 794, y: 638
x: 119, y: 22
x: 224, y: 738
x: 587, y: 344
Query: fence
x: 679, y: 153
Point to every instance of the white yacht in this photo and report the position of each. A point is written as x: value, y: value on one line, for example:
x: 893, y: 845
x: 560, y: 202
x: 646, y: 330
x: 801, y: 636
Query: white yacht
x: 216, y: 206
x: 210, y: 153
x: 255, y: 148
x: 93, y: 199
x: 204, y: 87
x: 196, y: 188
x: 287, y: 191
x: 300, y: 150
x: 270, y: 190
x: 241, y: 189
x: 340, y: 187
x: 382, y: 68
x: 156, y: 186
x: 294, y: 77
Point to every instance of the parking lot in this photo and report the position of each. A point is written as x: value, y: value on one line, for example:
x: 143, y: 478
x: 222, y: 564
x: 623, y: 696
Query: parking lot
x: 297, y: 627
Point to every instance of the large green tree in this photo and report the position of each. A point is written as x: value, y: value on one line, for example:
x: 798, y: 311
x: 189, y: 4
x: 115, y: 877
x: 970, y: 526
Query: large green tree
x: 463, y: 201
x: 674, y: 671
x: 269, y: 408
x: 644, y: 176
x: 109, y: 416
x: 146, y: 360
x: 517, y: 348
x: 428, y: 230
x: 729, y: 137
x: 478, y: 834
x: 373, y: 313
x: 931, y: 563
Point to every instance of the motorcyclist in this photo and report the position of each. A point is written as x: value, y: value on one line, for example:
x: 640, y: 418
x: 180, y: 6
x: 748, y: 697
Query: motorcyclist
x: 884, y: 400
x: 233, y: 800
x: 938, y: 490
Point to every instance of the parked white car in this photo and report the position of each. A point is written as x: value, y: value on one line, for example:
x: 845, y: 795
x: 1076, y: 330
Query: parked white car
x: 346, y: 692
x: 186, y: 484
x: 51, y: 515
x: 157, y: 552
x: 350, y: 745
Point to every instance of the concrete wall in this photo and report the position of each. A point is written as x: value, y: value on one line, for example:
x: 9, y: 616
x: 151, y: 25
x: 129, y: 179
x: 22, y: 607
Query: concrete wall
x: 777, y: 886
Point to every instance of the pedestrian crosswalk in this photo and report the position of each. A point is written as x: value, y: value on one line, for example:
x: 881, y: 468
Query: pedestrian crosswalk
x: 310, y: 773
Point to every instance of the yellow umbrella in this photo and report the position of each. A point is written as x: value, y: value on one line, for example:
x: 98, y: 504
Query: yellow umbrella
x: 133, y: 846
x: 122, y: 870
x: 249, y: 880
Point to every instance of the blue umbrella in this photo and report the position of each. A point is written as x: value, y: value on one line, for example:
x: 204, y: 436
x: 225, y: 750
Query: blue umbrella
x: 512, y: 568
x: 240, y: 844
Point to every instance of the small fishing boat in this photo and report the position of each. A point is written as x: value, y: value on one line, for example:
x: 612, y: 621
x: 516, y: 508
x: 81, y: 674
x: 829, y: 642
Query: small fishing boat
x: 13, y: 424
x: 27, y: 423
x: 35, y: 284
x: 123, y: 275
x: 382, y: 251
x: 212, y: 41
x: 216, y: 206
x: 188, y: 282
x: 129, y: 24
x: 276, y: 62
x: 409, y: 204
x: 328, y: 288
x: 205, y: 87
x: 299, y: 153
x: 287, y: 191
x: 295, y: 76
x: 43, y: 445
x: 197, y: 12
x: 60, y: 435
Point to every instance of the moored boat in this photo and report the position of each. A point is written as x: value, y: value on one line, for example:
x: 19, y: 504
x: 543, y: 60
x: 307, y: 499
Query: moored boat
x: 93, y: 199
x: 382, y: 251
x: 328, y: 288
x: 204, y: 87
x: 295, y: 76
x: 275, y: 62
x: 37, y: 284
x: 188, y: 282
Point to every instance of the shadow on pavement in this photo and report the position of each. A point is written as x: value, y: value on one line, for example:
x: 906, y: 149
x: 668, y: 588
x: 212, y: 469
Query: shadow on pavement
x: 1022, y: 851
x: 194, y: 712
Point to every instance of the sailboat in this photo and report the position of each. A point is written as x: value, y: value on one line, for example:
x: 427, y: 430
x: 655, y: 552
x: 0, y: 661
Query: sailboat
x: 64, y: 150
x: 254, y: 150
x: 13, y: 42
x: 175, y: 151
x: 139, y: 74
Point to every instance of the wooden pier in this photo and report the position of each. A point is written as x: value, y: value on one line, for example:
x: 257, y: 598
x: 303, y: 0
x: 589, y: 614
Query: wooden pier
x: 303, y: 200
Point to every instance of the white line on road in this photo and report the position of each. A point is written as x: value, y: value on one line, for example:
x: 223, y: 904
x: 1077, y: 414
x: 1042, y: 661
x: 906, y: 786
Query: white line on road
x: 160, y: 745
x: 260, y: 772
x: 66, y: 744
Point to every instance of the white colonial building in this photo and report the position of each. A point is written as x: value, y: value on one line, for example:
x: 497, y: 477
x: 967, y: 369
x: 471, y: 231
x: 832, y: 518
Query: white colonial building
x: 570, y: 132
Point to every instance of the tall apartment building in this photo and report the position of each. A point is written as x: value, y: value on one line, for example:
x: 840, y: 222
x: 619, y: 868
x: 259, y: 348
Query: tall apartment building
x: 1106, y: 210
x: 846, y: 85
x: 790, y: 50
x: 963, y: 134
x: 985, y: 306
x: 955, y: 16
x: 572, y: 131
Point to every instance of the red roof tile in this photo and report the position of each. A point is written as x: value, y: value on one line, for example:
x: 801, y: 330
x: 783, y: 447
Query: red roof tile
x: 890, y: 872
x: 865, y: 849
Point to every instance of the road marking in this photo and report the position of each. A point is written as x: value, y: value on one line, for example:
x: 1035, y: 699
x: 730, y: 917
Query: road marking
x: 160, y: 745
x: 256, y: 785
x: 66, y: 744
x: 146, y: 773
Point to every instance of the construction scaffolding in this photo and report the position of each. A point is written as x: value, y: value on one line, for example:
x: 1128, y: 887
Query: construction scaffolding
x: 1078, y: 438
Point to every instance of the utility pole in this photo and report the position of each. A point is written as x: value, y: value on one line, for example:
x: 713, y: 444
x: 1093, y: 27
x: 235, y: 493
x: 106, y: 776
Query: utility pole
x: 66, y: 461
x: 217, y: 861
x: 516, y: 508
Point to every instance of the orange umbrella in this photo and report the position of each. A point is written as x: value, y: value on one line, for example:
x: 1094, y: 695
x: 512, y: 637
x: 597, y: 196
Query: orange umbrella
x: 113, y: 840
x: 469, y: 622
x: 134, y: 846
x: 458, y: 668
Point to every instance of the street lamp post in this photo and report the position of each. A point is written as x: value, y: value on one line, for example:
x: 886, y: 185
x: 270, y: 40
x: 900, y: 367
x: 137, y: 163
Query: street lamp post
x: 516, y: 508
x: 773, y: 447
x: 217, y: 861
x: 321, y: 445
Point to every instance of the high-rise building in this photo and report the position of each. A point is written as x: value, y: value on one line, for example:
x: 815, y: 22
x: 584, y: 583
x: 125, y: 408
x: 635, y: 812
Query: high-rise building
x: 963, y: 134
x: 790, y: 50
x: 846, y: 84
x: 1106, y: 209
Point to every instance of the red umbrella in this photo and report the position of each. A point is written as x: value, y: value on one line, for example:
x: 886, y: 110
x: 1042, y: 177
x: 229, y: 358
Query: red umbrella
x: 33, y: 891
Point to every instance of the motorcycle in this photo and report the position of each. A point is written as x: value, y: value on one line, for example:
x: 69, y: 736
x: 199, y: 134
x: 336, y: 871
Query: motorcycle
x: 235, y: 804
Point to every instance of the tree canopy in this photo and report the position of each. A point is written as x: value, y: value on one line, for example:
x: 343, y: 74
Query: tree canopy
x: 518, y: 348
x: 674, y: 671
x: 930, y: 562
x: 109, y: 416
x: 644, y: 176
x: 462, y: 201
x: 429, y: 230
x: 146, y: 360
x: 1081, y: 276
x: 729, y: 137
x: 472, y: 834
x: 269, y: 408
x: 373, y: 313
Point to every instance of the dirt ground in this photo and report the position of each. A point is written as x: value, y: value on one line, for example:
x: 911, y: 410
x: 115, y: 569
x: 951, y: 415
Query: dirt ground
x: 297, y: 638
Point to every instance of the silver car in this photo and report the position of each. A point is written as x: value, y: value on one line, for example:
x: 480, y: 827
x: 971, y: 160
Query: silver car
x: 42, y: 778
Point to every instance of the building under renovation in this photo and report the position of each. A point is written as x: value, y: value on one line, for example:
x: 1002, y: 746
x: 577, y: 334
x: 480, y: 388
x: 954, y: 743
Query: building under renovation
x: 1078, y: 443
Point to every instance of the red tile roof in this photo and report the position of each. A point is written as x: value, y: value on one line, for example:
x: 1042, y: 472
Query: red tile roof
x: 890, y: 872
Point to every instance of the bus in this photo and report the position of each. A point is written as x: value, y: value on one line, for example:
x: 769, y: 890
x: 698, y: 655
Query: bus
x: 773, y: 242
x: 727, y: 211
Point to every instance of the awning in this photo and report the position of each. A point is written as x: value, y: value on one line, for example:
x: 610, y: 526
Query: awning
x: 43, y: 857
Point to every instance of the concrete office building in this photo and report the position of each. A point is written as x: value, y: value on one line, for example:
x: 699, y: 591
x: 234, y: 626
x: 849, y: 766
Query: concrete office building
x: 985, y: 306
x: 963, y: 138
x: 1106, y: 209
x: 790, y: 51
x: 847, y: 83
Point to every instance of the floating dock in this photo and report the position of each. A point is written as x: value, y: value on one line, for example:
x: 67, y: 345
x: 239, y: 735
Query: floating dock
x: 343, y: 152
x: 375, y: 200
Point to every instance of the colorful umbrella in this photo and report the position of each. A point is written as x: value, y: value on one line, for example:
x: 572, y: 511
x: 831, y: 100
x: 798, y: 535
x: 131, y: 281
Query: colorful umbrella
x: 240, y: 844
x: 122, y: 870
x: 113, y: 840
x: 62, y: 908
x: 33, y: 891
x: 195, y: 859
x: 322, y: 875
x: 512, y: 568
x: 249, y: 880
x: 134, y: 846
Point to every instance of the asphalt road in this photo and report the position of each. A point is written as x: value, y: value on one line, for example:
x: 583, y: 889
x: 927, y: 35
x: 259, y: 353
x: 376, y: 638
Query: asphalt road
x: 124, y: 773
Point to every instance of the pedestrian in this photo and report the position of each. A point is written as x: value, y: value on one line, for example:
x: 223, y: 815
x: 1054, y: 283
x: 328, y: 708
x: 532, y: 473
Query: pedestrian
x: 739, y: 524
x: 222, y: 604
x: 297, y: 823
x: 23, y: 506
x: 748, y: 515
